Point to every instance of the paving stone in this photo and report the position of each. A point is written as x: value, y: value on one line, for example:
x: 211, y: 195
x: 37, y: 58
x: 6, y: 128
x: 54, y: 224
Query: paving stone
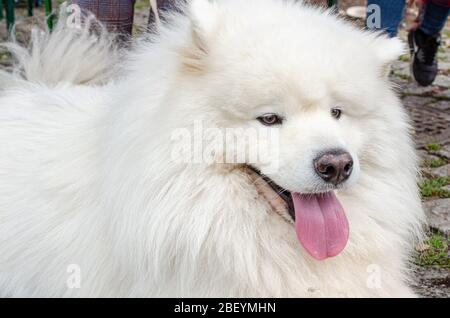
x: 400, y: 82
x: 444, y: 66
x: 402, y: 71
x: 442, y: 80
x: 398, y: 65
x: 427, y: 172
x: 425, y: 155
x: 443, y: 171
x: 443, y: 105
x: 413, y: 88
x: 438, y: 214
x: 444, y: 94
x: 431, y: 125
x: 416, y: 101
x: 445, y: 151
x: 432, y: 281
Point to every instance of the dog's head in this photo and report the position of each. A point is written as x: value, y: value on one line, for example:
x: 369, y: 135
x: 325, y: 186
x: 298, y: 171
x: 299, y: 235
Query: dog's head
x: 314, y: 81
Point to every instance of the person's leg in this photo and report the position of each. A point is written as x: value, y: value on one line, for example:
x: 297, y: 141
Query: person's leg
x: 390, y: 14
x: 434, y: 18
x: 424, y: 42
x: 116, y: 15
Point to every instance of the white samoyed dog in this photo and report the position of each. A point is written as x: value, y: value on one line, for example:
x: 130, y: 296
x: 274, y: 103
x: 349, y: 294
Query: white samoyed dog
x: 97, y: 199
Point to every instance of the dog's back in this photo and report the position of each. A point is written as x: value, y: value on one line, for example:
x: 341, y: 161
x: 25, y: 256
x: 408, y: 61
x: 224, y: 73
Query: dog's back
x: 51, y: 132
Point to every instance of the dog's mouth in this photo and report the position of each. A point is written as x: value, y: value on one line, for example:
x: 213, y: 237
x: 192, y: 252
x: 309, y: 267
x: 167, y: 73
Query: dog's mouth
x: 284, y: 194
x: 319, y: 218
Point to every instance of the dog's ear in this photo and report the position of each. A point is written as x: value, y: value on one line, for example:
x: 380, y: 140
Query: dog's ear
x: 204, y: 19
x: 387, y: 50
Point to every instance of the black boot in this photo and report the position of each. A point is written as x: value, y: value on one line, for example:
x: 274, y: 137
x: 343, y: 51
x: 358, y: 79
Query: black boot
x: 424, y: 50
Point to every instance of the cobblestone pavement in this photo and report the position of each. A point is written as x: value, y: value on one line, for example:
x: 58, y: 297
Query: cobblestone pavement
x: 429, y: 108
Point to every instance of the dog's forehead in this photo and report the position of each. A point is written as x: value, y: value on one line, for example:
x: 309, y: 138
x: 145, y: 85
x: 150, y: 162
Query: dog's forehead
x: 266, y: 94
x: 306, y: 79
x: 302, y: 59
x: 299, y: 42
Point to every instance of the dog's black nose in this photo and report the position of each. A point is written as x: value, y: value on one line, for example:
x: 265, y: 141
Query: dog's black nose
x: 334, y: 167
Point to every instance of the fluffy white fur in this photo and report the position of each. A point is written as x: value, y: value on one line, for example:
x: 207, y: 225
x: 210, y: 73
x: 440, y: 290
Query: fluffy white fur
x: 87, y: 178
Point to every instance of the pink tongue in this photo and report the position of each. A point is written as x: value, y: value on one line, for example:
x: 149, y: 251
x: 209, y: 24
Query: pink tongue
x: 321, y: 224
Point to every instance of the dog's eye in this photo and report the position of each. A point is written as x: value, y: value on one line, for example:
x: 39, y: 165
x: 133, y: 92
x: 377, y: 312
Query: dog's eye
x: 270, y: 119
x: 336, y: 113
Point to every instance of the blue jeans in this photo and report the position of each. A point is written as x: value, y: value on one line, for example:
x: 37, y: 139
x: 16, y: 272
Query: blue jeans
x: 434, y: 18
x: 391, y: 14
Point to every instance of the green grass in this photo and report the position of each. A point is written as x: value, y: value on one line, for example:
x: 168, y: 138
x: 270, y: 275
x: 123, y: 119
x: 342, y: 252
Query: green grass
x: 403, y: 76
x: 3, y: 56
x: 434, y: 163
x: 405, y: 58
x: 437, y: 252
x: 434, y: 188
x: 433, y: 147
